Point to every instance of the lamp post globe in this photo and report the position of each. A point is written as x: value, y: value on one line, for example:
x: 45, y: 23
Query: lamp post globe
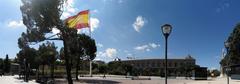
x: 166, y: 30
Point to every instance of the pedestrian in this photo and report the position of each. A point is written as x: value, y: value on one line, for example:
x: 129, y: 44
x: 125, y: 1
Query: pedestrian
x: 104, y: 76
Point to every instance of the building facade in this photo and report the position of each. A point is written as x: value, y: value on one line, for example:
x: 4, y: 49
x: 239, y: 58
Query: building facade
x: 175, y: 66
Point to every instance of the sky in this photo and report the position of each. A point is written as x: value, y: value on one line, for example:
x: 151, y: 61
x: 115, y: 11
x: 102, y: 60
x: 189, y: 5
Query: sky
x: 132, y: 28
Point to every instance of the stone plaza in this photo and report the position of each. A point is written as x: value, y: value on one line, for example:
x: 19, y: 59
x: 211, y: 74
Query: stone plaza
x: 116, y: 79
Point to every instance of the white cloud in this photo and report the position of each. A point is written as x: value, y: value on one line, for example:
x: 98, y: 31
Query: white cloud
x: 120, y: 1
x: 139, y: 23
x: 55, y: 30
x: 68, y: 9
x: 154, y: 45
x: 95, y: 11
x: 109, y: 52
x: 100, y: 54
x: 98, y: 59
x: 147, y: 47
x: 107, y: 55
x: 65, y: 15
x: 142, y: 47
x: 15, y: 24
x: 223, y: 6
x: 94, y: 23
x: 129, y: 54
x: 99, y: 45
x: 213, y: 68
x: 126, y: 51
x: 104, y: 1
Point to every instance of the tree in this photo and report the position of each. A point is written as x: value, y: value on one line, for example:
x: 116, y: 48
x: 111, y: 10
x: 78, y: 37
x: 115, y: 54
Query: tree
x: 86, y: 49
x: 127, y: 68
x: 186, y: 69
x: 83, y: 48
x: 117, y: 67
x: 26, y: 57
x: 233, y: 54
x: 7, y: 64
x: 120, y: 68
x: 103, y: 68
x: 40, y: 17
x: 48, y: 55
x: 215, y: 73
x: 29, y: 55
x: 1, y: 65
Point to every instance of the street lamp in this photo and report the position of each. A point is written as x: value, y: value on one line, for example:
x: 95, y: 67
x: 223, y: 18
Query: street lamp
x: 166, y: 30
x: 228, y: 69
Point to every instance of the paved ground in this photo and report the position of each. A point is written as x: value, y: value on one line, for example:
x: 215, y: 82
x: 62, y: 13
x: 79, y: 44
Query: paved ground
x: 121, y: 80
x: 13, y: 80
x: 154, y: 80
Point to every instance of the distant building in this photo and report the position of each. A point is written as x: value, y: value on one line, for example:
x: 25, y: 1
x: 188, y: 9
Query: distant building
x: 159, y: 64
x: 98, y: 62
x: 15, y: 68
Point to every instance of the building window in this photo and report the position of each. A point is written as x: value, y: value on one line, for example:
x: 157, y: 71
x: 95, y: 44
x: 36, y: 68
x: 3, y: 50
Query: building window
x: 170, y: 64
x: 155, y: 64
x: 175, y: 64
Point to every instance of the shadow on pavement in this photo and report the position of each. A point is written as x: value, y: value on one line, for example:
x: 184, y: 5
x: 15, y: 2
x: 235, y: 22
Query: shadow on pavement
x: 90, y: 81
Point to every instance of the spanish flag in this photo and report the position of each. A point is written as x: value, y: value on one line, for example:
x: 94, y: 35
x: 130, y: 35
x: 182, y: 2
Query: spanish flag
x: 81, y: 20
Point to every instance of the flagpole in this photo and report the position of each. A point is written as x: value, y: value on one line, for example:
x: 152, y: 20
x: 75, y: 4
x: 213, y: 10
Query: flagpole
x: 90, y: 67
x: 90, y: 24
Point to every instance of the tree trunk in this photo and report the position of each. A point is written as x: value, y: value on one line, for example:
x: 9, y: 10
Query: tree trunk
x: 52, y: 71
x: 43, y: 70
x: 77, y: 68
x: 67, y: 65
x: 26, y: 71
x: 38, y: 72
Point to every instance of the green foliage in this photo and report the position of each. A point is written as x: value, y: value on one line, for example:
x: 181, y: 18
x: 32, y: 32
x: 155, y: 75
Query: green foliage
x: 47, y: 53
x: 119, y: 68
x: 82, y: 47
x: 61, y: 52
x: 234, y: 48
x: 27, y: 57
x: 30, y: 54
x: 116, y: 68
x: 186, y: 69
x: 215, y: 73
x: 1, y: 64
x: 103, y: 68
x: 88, y: 45
x: 40, y: 16
x: 22, y: 41
x: 127, y: 68
x: 7, y: 64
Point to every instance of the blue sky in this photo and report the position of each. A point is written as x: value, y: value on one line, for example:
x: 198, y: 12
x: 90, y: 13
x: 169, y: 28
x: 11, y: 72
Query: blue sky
x: 131, y: 28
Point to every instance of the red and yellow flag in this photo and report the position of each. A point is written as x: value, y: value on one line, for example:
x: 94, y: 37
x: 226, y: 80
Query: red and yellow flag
x: 81, y: 20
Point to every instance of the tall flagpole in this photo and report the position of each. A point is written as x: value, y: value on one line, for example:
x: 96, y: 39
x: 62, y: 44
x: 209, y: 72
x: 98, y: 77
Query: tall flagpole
x: 90, y: 62
x: 222, y: 74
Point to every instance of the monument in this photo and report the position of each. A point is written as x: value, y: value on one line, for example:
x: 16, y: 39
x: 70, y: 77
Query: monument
x: 222, y: 74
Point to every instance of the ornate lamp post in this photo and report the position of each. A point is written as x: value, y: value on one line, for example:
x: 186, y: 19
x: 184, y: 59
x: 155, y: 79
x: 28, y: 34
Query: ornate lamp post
x: 228, y: 69
x: 166, y: 30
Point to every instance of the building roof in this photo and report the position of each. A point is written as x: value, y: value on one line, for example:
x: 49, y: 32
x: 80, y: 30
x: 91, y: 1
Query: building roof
x: 189, y: 57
